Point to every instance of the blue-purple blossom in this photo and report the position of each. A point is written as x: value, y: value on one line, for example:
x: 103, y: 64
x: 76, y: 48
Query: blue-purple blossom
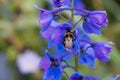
x: 59, y: 3
x: 78, y: 4
x: 94, y: 21
x: 79, y: 76
x: 47, y: 23
x: 101, y: 50
x: 86, y: 55
x: 47, y: 33
x: 91, y: 50
x: 45, y: 19
x: 52, y: 67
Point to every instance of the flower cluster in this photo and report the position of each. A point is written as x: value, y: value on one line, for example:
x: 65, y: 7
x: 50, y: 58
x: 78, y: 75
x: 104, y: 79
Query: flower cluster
x: 71, y: 39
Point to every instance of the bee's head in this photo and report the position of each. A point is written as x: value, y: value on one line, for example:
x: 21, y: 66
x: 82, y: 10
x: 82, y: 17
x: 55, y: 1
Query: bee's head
x: 69, y: 35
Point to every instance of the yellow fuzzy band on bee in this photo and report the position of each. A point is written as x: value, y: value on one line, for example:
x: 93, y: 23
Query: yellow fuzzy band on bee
x: 69, y: 38
x: 69, y: 33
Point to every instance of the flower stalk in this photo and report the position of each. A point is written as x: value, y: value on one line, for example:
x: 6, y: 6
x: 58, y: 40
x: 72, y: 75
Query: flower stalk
x: 76, y: 63
x: 72, y: 13
x: 72, y: 16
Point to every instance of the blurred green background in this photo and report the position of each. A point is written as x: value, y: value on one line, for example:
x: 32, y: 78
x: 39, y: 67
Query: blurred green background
x: 19, y: 30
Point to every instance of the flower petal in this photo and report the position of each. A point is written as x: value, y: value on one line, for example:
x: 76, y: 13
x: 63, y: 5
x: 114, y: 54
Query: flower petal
x: 47, y: 34
x: 102, y: 50
x: 88, y: 60
x: 90, y: 28
x: 45, y: 19
x: 76, y: 76
x: 62, y: 52
x: 53, y: 73
x: 48, y: 54
x: 59, y: 3
x: 45, y: 63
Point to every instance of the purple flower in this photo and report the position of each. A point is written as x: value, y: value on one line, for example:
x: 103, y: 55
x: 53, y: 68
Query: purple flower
x: 101, y: 50
x: 45, y: 19
x: 87, y: 55
x: 59, y: 3
x: 47, y: 34
x: 48, y: 24
x: 52, y: 67
x: 79, y: 76
x: 78, y: 4
x: 90, y: 50
x: 94, y: 21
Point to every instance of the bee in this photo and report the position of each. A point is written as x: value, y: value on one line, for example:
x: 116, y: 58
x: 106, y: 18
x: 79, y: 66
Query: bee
x: 68, y: 40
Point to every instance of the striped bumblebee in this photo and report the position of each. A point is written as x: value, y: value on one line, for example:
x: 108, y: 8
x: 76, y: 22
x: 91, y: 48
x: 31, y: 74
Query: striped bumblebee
x: 68, y: 40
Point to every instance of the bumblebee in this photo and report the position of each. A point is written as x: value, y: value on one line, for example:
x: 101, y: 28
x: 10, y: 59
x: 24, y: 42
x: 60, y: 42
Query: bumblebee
x: 68, y: 40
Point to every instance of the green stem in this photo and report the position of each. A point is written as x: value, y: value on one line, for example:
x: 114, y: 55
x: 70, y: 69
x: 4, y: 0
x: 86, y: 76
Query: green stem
x: 72, y: 12
x: 72, y: 15
x: 76, y: 63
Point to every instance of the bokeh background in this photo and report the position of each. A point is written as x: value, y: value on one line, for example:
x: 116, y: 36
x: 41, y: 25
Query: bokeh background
x: 19, y: 31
